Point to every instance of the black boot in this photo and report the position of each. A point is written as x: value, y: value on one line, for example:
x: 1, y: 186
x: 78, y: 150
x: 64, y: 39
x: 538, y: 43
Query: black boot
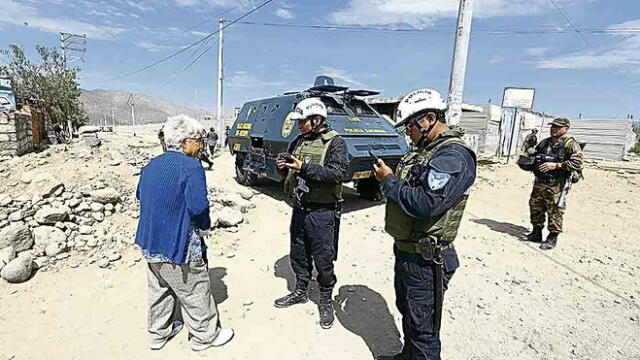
x: 325, y: 307
x: 535, y: 235
x: 299, y: 296
x: 551, y: 241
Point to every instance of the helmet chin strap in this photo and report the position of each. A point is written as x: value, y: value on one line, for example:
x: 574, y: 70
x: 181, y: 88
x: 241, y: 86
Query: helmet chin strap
x: 424, y: 133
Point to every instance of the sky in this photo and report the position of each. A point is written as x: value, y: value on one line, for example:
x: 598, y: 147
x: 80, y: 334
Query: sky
x: 521, y: 43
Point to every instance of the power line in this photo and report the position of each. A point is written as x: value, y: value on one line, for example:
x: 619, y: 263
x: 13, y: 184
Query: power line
x: 632, y: 30
x: 188, y: 65
x: 189, y: 46
x: 575, y: 28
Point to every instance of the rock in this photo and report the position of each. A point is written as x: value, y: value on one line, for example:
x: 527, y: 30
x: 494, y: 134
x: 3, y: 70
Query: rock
x: 51, y: 215
x: 41, y: 262
x: 16, y: 235
x: 26, y: 178
x: 59, y: 192
x: 62, y: 256
x: 17, y: 215
x: 17, y: 270
x: 86, y: 230
x: 98, y: 216
x: 60, y: 225
x: 228, y: 217
x: 53, y: 249
x: 6, y: 255
x: 237, y: 201
x: 118, y: 208
x: 246, y: 194
x: 44, y: 185
x: 97, y: 207
x: 114, y: 257
x: 6, y: 200
x: 81, y: 208
x: 103, y: 263
x: 106, y: 196
x: 114, y: 162
x: 108, y: 213
x: 88, y: 129
x: 3, y: 216
x: 45, y: 235
x: 109, y: 207
x: 92, y: 242
x: 74, y: 202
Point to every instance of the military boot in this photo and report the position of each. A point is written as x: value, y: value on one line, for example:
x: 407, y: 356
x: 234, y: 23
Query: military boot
x: 535, y: 235
x: 551, y: 241
x: 325, y: 307
x: 299, y: 296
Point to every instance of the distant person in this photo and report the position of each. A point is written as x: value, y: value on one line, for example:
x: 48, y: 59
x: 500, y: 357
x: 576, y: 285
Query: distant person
x: 316, y: 167
x: 227, y: 129
x: 558, y: 162
x: 530, y: 142
x: 426, y: 199
x: 202, y: 152
x: 212, y: 141
x: 161, y: 138
x: 173, y: 209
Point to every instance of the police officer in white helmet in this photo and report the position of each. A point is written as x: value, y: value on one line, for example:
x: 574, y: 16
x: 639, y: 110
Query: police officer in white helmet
x: 317, y: 163
x: 426, y: 198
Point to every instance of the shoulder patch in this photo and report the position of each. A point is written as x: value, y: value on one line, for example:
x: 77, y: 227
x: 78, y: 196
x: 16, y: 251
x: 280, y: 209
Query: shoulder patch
x: 449, y: 162
x: 438, y: 180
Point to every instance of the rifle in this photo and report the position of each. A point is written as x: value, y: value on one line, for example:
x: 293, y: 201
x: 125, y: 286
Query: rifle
x: 565, y: 190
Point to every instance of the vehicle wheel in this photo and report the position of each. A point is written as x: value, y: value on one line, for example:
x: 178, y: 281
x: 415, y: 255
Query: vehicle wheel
x: 369, y: 189
x: 244, y: 177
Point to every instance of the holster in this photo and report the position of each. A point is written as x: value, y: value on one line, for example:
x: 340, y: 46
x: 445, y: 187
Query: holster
x: 431, y: 251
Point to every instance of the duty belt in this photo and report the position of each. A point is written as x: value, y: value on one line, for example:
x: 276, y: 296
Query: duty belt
x: 414, y: 247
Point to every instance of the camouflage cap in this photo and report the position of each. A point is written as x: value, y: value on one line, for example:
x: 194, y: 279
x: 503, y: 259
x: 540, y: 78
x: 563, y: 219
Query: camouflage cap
x: 562, y: 122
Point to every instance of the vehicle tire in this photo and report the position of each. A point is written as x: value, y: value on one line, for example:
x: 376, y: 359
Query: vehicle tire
x: 244, y: 177
x: 369, y: 189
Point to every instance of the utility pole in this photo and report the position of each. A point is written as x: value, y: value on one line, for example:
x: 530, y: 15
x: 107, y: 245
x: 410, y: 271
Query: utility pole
x: 220, y: 77
x: 459, y: 63
x: 133, y: 114
x: 113, y: 118
x: 71, y: 54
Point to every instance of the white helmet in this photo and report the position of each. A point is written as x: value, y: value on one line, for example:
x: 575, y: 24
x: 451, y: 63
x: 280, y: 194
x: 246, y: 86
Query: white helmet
x: 309, y: 107
x: 418, y: 101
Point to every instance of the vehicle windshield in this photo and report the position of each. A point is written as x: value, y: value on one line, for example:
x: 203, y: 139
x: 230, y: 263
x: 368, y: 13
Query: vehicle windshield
x: 333, y: 108
x: 360, y: 108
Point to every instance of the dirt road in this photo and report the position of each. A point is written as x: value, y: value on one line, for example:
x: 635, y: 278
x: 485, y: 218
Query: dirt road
x: 508, y: 300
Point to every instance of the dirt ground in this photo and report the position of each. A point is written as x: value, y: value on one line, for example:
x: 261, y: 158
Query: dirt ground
x: 508, y: 300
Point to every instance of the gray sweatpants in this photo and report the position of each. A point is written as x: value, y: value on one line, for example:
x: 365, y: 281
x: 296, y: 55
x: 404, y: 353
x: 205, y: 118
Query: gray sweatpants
x: 181, y: 292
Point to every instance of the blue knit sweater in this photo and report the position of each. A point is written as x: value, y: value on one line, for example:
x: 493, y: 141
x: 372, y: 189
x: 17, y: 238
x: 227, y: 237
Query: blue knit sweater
x: 172, y: 192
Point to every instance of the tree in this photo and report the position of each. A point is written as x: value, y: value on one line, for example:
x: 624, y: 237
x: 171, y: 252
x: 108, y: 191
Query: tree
x: 48, y: 83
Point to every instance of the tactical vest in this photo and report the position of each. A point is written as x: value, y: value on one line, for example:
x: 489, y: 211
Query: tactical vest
x: 313, y: 151
x: 555, y: 153
x: 407, y: 230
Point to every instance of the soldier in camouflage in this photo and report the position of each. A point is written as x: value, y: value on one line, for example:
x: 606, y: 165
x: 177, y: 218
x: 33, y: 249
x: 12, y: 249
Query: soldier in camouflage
x: 558, y: 163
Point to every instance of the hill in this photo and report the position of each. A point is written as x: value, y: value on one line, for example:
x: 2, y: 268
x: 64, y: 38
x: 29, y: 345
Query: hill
x: 148, y: 109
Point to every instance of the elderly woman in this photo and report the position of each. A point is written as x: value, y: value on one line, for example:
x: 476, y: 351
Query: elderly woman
x: 173, y: 209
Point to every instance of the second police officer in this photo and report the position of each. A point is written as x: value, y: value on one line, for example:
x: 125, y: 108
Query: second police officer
x: 316, y: 169
x: 426, y: 198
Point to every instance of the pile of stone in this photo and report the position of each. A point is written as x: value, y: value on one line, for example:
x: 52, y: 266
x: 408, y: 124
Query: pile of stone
x: 228, y: 209
x: 89, y: 134
x: 48, y: 221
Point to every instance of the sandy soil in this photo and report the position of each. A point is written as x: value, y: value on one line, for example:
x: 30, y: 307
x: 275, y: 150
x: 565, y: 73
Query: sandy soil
x: 509, y: 300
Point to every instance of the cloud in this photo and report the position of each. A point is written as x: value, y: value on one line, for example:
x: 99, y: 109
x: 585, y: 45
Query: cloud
x: 537, y: 51
x: 340, y: 75
x: 153, y: 48
x: 185, y: 2
x: 284, y: 13
x: 244, y: 80
x: 423, y: 13
x: 623, y: 54
x: 15, y: 13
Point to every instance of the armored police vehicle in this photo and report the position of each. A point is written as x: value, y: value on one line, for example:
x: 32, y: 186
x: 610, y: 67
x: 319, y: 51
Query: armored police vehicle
x: 264, y: 128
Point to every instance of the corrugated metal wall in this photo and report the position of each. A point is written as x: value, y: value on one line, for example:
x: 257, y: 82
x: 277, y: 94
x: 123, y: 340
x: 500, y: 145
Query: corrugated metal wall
x: 606, y: 138
x: 485, y: 125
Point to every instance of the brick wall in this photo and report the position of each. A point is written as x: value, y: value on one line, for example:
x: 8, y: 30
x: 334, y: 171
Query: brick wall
x: 15, y: 133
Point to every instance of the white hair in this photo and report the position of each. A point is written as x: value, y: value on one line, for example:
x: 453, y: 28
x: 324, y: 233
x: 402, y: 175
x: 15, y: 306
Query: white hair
x: 181, y: 127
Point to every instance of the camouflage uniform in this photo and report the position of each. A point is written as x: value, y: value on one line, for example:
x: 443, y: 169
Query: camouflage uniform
x: 547, y: 187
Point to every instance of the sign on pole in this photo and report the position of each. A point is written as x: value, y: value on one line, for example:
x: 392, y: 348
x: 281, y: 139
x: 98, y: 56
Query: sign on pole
x: 519, y: 98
